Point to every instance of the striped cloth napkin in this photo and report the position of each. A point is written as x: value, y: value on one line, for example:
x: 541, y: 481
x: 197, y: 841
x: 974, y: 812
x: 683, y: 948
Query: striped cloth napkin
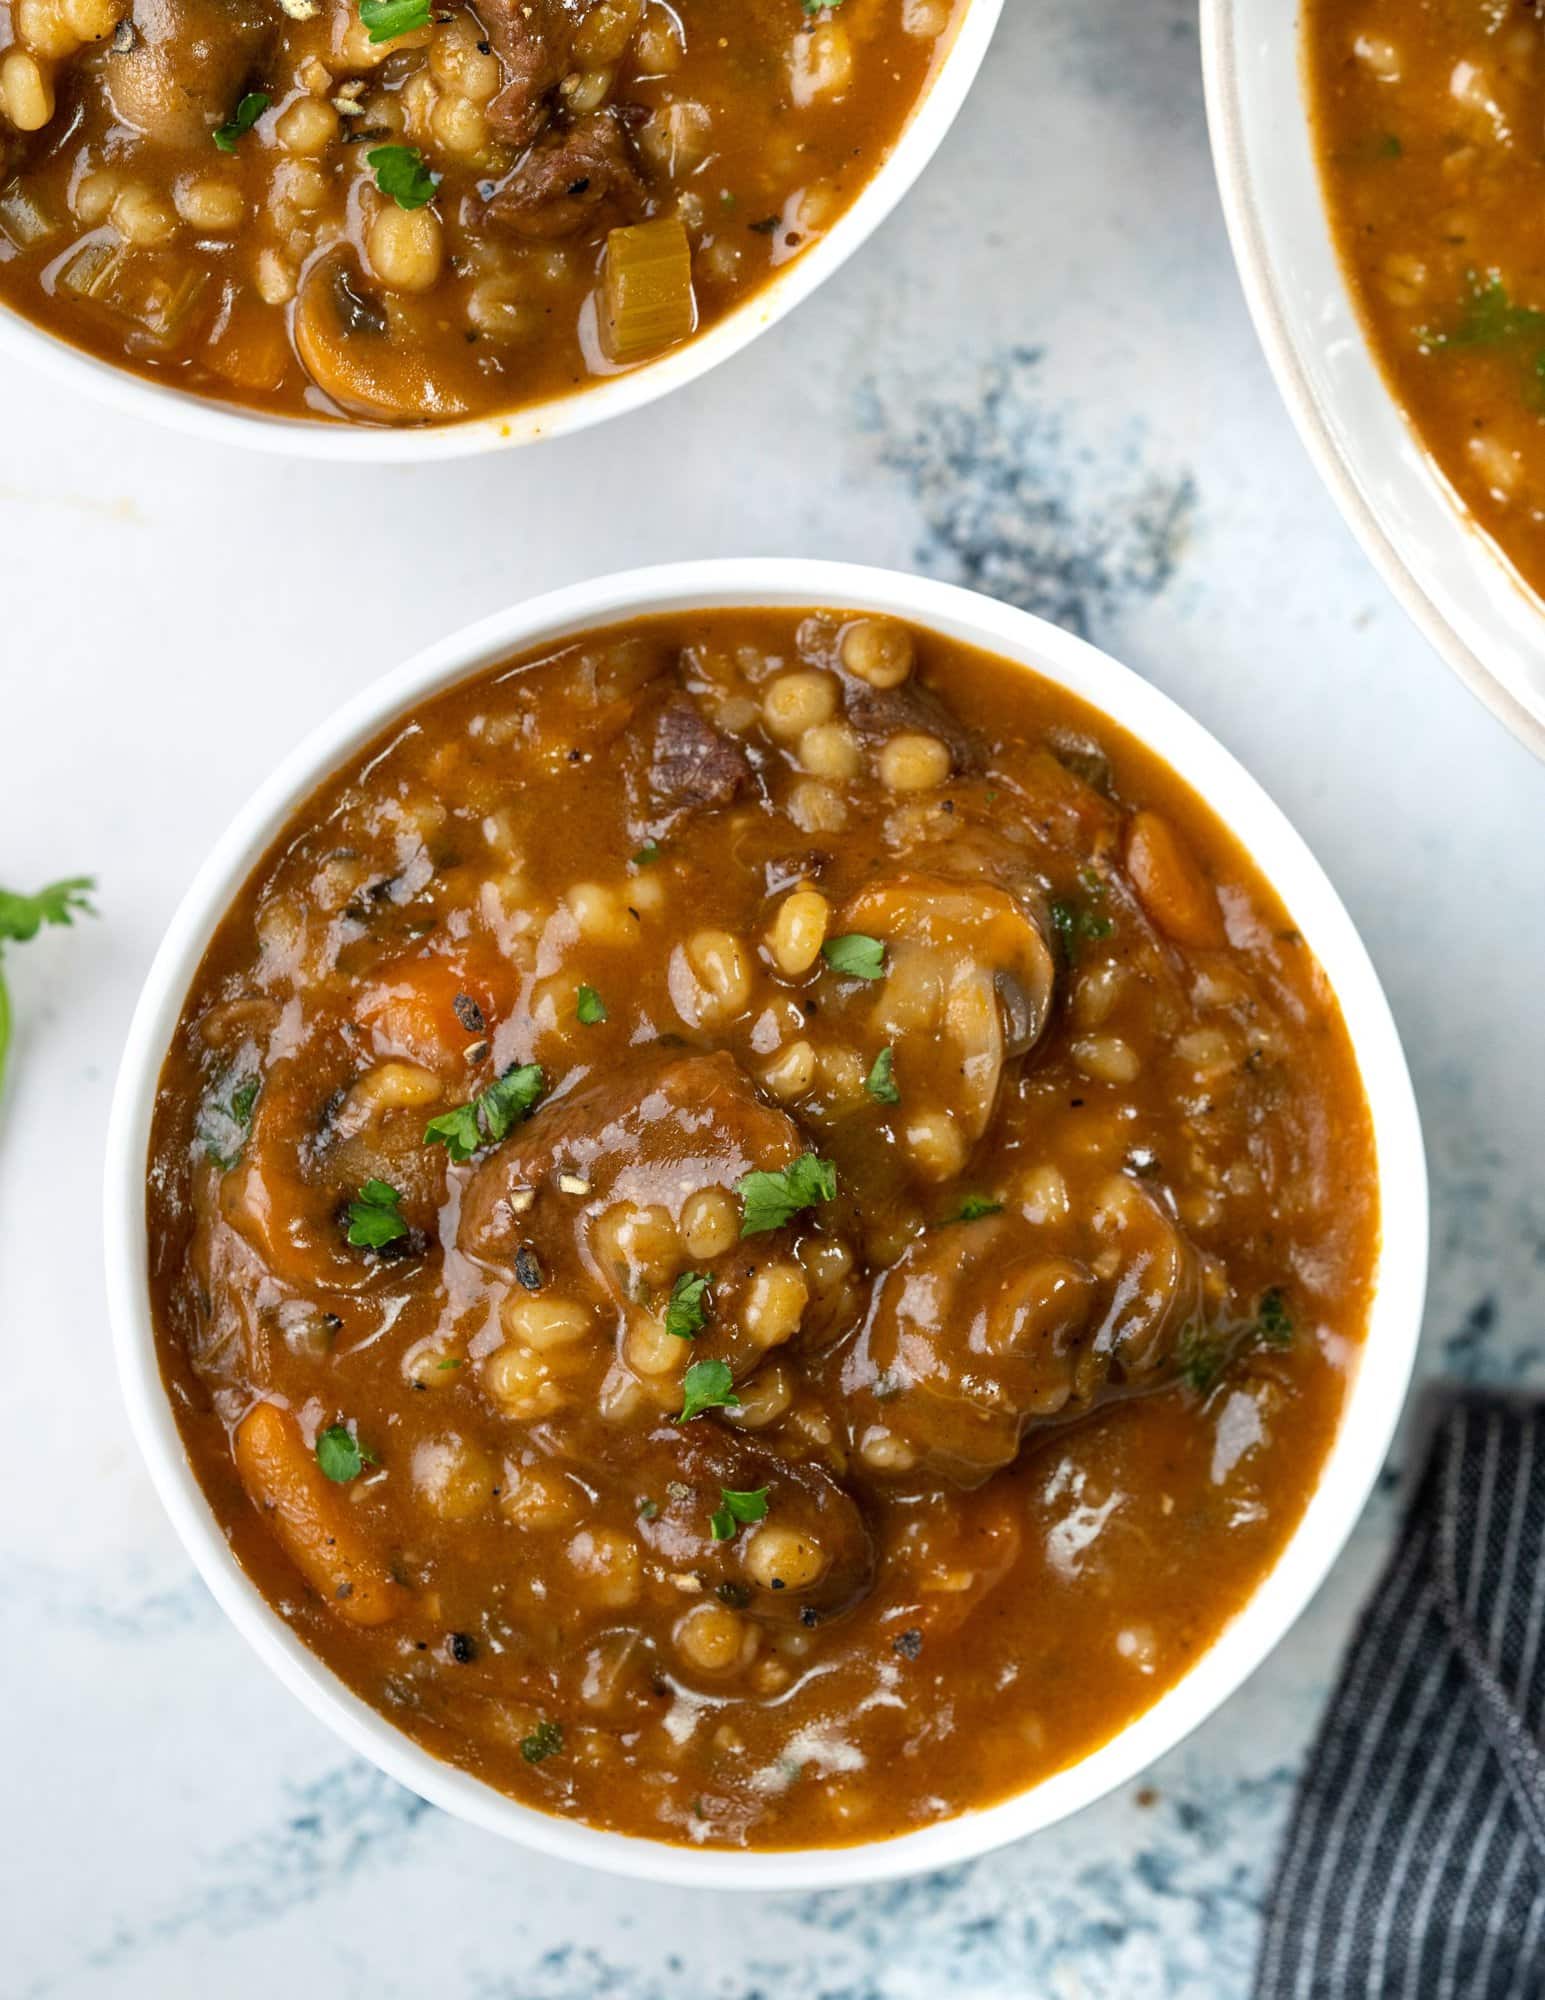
x: 1415, y: 1862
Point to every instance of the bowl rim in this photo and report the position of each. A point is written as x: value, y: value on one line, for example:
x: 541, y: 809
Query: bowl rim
x: 578, y: 409
x: 1258, y: 278
x: 1374, y: 1398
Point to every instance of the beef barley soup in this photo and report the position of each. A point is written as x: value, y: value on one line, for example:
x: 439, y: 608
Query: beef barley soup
x: 759, y: 1225
x: 395, y: 213
x: 1430, y: 122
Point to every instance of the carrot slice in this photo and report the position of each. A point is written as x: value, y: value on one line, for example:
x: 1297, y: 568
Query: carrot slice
x: 316, y: 1527
x: 1169, y: 883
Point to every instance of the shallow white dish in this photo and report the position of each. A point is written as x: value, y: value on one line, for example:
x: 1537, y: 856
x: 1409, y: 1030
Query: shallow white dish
x: 613, y: 396
x: 1374, y: 1399
x: 1445, y: 572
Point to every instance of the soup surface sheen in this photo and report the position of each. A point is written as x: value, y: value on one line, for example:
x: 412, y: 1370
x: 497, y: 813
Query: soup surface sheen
x: 1430, y: 119
x: 492, y: 204
x: 759, y: 1225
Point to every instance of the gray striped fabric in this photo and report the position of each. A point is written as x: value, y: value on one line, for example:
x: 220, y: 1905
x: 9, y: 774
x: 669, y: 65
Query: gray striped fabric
x: 1415, y: 1863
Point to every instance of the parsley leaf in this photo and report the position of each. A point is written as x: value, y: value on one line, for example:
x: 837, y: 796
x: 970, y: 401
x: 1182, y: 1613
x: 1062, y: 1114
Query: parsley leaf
x: 737, y: 1511
x: 22, y: 917
x: 707, y: 1385
x: 1200, y: 1358
x: 245, y: 116
x: 1074, y: 925
x: 374, y: 1220
x: 881, y: 1080
x: 687, y: 1313
x: 341, y: 1455
x: 224, y: 1127
x: 546, y: 1740
x: 387, y: 19
x: 974, y: 1207
x: 400, y: 172
x: 491, y: 1116
x: 855, y: 956
x: 768, y: 1200
x: 1490, y: 319
x: 1272, y: 1320
x: 650, y: 851
x: 589, y: 1008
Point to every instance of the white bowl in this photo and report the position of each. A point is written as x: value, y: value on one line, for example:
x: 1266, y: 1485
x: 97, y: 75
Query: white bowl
x: 613, y: 396
x: 1443, y: 569
x: 1374, y: 1397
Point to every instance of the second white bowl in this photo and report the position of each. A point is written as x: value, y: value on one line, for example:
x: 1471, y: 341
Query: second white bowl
x: 1445, y: 572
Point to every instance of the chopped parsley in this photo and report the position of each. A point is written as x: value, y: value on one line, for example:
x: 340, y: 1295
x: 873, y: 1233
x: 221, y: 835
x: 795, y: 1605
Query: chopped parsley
x: 1272, y: 1320
x: 242, y: 120
x: 589, y: 1008
x: 1200, y: 1358
x: 491, y: 1116
x: 1203, y: 1353
x: 650, y: 851
x: 881, y: 1080
x: 768, y: 1200
x: 375, y: 1218
x: 1489, y: 318
x: 737, y: 1510
x: 974, y: 1207
x: 545, y: 1741
x: 855, y: 956
x: 224, y: 1124
x: 707, y: 1385
x: 341, y: 1455
x: 22, y: 917
x: 1074, y: 925
x: 385, y: 20
x: 400, y: 172
x: 690, y: 1305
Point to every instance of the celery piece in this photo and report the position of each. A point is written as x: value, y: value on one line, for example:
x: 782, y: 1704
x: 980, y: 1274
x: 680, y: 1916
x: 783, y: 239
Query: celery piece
x: 646, y: 289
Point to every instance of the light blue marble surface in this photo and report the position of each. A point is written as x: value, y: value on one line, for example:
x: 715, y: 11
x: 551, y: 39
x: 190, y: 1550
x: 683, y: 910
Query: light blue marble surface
x: 1039, y: 378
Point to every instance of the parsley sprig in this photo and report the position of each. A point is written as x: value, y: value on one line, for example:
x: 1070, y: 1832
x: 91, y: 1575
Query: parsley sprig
x: 490, y: 1116
x: 341, y: 1455
x: 400, y: 172
x: 768, y: 1200
x: 707, y: 1385
x: 242, y: 120
x: 690, y: 1305
x: 22, y: 917
x: 737, y: 1510
x: 375, y: 1217
x: 385, y: 20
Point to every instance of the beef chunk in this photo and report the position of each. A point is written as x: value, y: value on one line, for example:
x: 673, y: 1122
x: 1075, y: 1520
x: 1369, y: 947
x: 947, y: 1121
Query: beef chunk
x: 880, y: 712
x: 668, y: 1124
x: 534, y: 39
x: 975, y: 1335
x: 693, y: 766
x: 573, y: 174
x: 803, y: 1499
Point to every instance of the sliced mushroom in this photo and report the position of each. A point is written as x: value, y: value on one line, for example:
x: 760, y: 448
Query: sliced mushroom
x: 971, y: 970
x: 184, y: 69
x: 364, y: 351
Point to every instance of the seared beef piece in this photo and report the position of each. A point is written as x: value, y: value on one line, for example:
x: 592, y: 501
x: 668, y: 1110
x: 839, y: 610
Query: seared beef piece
x: 692, y: 766
x: 187, y: 65
x: 655, y: 1130
x: 802, y: 1496
x: 880, y: 712
x: 976, y: 1335
x: 534, y: 39
x: 571, y: 175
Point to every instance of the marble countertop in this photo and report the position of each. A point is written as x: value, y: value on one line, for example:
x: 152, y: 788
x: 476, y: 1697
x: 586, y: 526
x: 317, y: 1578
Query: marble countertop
x: 1095, y: 437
